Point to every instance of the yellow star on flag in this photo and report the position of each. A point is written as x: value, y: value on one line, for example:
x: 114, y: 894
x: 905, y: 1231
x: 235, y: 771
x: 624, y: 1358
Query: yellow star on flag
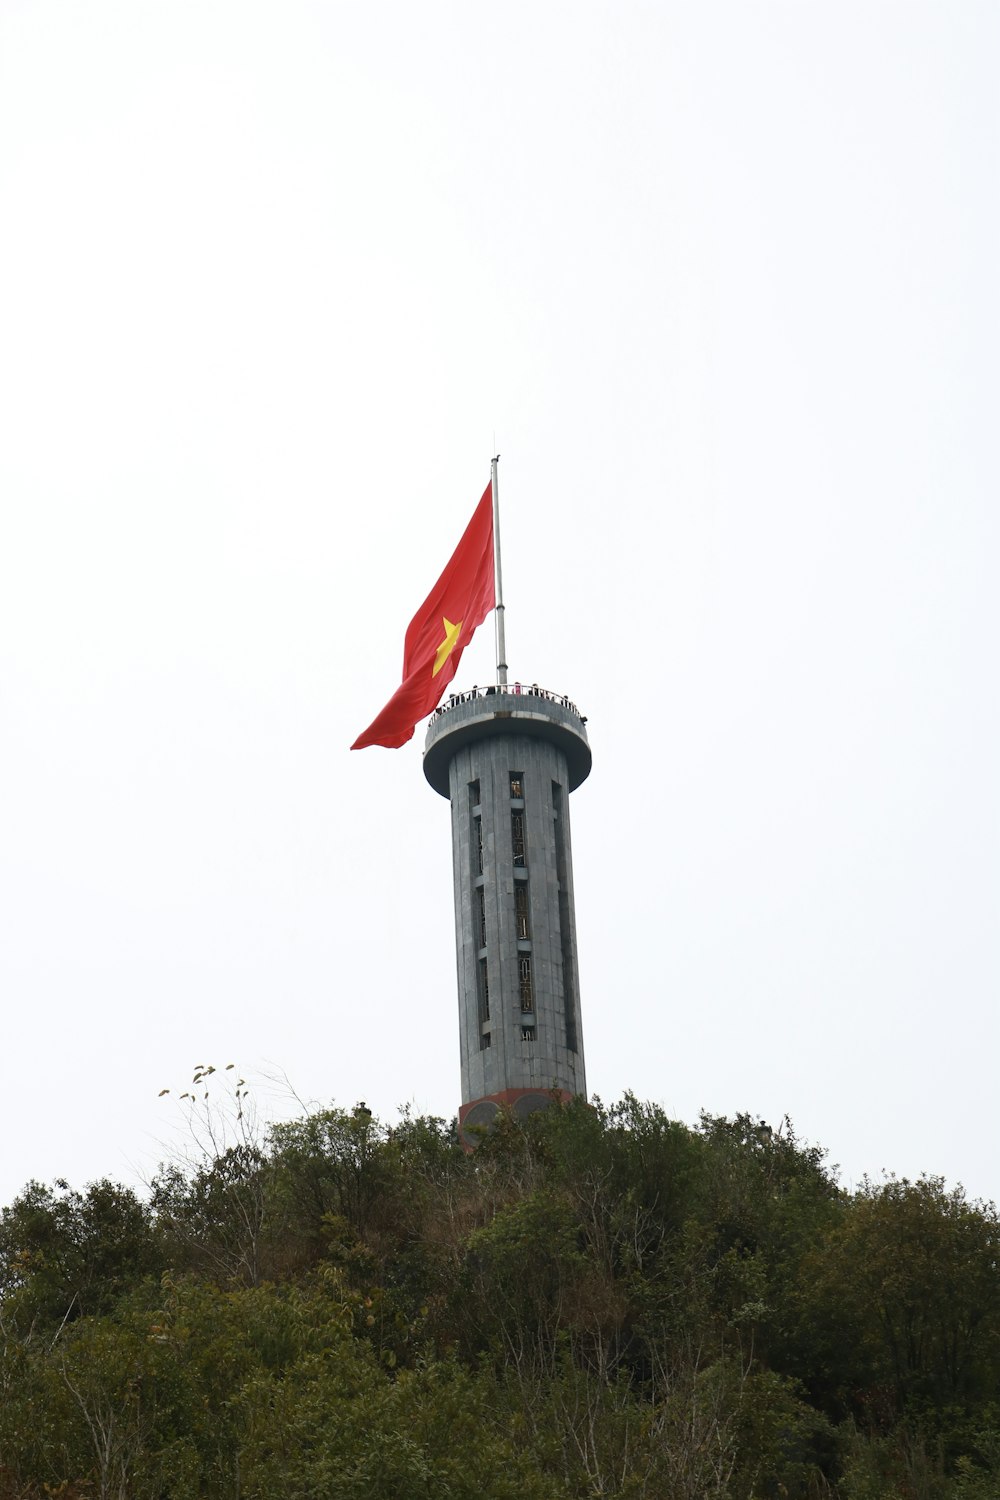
x: 447, y: 646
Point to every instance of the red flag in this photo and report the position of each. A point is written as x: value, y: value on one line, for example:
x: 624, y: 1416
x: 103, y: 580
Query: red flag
x: 440, y: 631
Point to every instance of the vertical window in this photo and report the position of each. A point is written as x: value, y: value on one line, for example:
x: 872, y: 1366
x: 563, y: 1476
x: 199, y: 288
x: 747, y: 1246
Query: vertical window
x: 521, y: 910
x: 516, y: 784
x: 477, y: 828
x: 527, y: 1033
x: 517, y: 839
x: 479, y: 913
x: 527, y: 989
x: 565, y: 925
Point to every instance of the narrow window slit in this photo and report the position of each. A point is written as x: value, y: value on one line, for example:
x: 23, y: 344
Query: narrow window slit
x: 484, y: 991
x: 517, y: 839
x: 566, y: 946
x: 521, y: 920
x: 525, y: 985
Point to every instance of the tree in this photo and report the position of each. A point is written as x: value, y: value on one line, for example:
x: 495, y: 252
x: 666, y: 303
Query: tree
x: 904, y: 1298
x: 65, y: 1254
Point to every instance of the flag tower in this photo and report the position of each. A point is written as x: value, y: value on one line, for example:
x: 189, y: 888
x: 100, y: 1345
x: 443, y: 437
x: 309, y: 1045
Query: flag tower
x: 507, y: 758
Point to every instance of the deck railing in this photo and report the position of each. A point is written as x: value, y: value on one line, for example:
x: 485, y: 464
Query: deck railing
x: 515, y: 689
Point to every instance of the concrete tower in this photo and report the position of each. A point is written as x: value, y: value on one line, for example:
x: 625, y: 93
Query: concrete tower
x: 507, y: 761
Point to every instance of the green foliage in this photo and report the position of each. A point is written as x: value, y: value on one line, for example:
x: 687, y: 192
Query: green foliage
x: 598, y: 1302
x: 903, y: 1298
x: 65, y: 1254
x: 339, y: 1428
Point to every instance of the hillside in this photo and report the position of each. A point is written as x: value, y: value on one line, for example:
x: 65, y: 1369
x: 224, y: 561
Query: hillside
x: 603, y: 1302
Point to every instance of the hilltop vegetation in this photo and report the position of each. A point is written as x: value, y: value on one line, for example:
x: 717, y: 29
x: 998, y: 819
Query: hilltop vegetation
x: 600, y: 1303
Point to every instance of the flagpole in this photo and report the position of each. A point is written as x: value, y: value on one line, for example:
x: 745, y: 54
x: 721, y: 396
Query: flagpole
x: 498, y: 577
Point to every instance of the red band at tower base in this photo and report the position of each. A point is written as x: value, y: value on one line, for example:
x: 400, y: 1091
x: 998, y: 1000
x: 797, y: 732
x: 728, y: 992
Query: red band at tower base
x: 480, y: 1115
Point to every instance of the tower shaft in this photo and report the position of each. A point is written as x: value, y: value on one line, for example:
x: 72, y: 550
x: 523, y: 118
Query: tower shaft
x: 507, y: 761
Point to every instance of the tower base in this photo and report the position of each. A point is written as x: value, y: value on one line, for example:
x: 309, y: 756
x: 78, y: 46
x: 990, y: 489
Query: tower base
x: 479, y: 1116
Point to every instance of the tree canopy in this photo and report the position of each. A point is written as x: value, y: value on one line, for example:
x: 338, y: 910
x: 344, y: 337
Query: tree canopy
x: 597, y: 1302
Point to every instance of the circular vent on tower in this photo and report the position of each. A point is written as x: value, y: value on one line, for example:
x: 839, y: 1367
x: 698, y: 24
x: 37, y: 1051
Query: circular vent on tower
x: 528, y: 1104
x: 481, y: 1117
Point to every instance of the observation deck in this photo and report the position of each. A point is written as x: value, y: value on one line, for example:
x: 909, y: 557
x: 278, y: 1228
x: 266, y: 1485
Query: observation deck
x: 484, y: 713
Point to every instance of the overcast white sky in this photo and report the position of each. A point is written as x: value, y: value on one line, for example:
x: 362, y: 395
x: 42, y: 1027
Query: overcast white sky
x: 721, y: 278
